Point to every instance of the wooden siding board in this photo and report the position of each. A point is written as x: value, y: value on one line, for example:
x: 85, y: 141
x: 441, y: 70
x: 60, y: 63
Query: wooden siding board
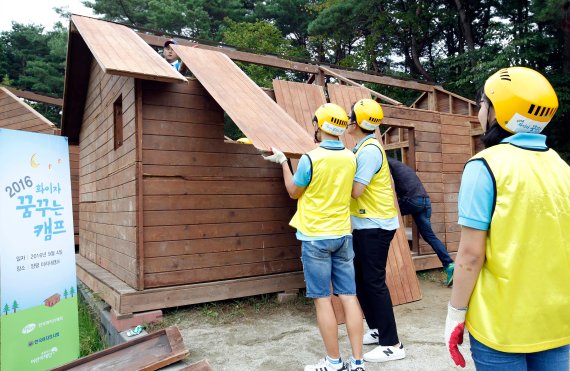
x: 210, y: 245
x: 221, y: 273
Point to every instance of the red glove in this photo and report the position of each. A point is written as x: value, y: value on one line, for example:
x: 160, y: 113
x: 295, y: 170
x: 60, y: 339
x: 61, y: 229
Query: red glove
x: 454, y: 328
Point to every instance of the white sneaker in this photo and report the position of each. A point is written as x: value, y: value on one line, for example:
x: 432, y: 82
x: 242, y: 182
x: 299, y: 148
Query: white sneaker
x: 385, y: 353
x: 325, y: 365
x: 371, y: 337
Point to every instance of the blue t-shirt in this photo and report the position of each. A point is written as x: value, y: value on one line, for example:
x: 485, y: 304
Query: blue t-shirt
x: 476, y: 194
x: 302, y: 178
x: 368, y: 162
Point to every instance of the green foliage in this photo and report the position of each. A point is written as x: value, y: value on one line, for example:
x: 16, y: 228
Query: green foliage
x: 35, y: 62
x: 89, y: 337
x: 263, y: 37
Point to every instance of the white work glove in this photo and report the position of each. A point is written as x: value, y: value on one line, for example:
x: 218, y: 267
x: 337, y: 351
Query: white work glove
x: 278, y: 157
x: 454, y: 328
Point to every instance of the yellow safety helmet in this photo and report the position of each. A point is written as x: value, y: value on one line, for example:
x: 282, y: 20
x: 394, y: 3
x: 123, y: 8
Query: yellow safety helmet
x: 367, y: 113
x: 523, y: 99
x: 331, y: 118
x: 244, y: 141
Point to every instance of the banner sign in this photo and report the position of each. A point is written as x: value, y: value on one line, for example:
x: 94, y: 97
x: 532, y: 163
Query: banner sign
x: 38, y: 287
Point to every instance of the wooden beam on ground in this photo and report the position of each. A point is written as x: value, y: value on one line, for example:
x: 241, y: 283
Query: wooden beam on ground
x: 149, y: 352
x: 350, y: 82
x: 35, y: 97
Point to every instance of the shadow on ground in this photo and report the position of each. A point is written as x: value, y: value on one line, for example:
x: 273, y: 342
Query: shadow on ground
x: 258, y: 334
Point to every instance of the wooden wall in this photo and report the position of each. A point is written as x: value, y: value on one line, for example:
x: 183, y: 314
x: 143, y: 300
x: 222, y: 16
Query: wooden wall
x: 107, y: 178
x: 213, y: 210
x: 74, y: 172
x: 456, y: 150
x: 443, y: 143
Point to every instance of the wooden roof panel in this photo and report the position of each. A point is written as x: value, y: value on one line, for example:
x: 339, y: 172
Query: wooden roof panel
x: 120, y: 51
x: 17, y: 115
x: 254, y: 112
x: 300, y: 100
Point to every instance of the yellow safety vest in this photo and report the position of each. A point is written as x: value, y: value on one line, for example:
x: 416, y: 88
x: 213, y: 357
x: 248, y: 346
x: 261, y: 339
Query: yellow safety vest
x: 377, y: 200
x: 323, y: 209
x: 521, y: 301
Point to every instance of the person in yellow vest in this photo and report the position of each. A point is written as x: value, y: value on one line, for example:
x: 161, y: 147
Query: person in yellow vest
x: 512, y: 270
x: 374, y: 220
x: 322, y: 184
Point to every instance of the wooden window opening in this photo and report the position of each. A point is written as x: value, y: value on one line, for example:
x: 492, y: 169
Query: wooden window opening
x: 118, y: 121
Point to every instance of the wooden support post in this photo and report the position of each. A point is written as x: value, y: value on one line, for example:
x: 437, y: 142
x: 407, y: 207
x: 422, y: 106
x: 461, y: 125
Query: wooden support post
x: 350, y: 82
x: 412, y: 164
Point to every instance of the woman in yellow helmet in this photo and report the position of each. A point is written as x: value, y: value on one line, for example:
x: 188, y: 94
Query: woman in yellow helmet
x: 512, y: 270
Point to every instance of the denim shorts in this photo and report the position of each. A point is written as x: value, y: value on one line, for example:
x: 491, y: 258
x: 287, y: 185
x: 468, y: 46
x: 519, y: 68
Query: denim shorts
x: 488, y: 359
x: 325, y: 261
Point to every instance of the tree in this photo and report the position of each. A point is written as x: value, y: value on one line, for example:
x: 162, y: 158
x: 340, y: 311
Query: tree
x: 15, y: 306
x: 72, y: 291
x: 192, y: 18
x: 35, y: 61
x: 6, y: 309
x: 65, y: 293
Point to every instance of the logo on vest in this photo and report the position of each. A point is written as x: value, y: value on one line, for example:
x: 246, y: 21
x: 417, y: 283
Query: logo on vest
x: 362, y: 211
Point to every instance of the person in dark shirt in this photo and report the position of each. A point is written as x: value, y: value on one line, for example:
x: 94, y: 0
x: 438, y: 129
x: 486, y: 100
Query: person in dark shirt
x: 414, y: 200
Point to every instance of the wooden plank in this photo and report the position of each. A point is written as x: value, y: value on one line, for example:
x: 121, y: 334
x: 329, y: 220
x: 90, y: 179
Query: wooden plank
x: 200, y: 231
x: 288, y: 95
x: 211, y: 274
x: 120, y: 51
x: 223, y: 244
x: 348, y: 81
x: 36, y: 97
x: 201, y: 365
x: 221, y: 259
x: 248, y: 106
x: 273, y: 61
x: 146, y: 352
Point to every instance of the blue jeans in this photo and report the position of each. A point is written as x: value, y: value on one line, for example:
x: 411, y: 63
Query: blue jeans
x: 325, y: 261
x: 488, y: 359
x: 420, y: 209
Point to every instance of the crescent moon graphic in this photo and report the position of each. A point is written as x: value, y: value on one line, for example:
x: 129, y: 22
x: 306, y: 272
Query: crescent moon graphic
x: 33, y: 162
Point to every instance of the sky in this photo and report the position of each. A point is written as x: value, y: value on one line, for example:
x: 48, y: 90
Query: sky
x: 38, y: 12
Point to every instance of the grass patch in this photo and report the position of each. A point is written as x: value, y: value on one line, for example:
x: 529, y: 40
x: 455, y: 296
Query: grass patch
x: 89, y: 336
x: 230, y: 311
x: 432, y: 275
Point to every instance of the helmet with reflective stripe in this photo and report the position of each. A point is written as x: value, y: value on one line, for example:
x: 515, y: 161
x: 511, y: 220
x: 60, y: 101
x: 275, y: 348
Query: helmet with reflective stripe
x: 367, y: 113
x: 331, y: 118
x: 523, y: 99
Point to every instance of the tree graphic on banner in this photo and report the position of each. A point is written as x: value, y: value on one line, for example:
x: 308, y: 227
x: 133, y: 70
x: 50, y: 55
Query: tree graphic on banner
x: 6, y: 308
x: 15, y: 306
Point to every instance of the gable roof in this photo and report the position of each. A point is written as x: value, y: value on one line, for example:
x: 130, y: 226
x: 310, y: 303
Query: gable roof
x: 254, y: 112
x: 118, y: 50
x: 15, y: 114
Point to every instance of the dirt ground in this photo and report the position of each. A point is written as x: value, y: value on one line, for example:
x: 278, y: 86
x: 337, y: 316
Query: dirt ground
x: 258, y: 334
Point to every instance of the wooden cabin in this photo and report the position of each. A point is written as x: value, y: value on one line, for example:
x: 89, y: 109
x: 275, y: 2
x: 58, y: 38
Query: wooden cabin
x: 16, y: 114
x: 172, y: 213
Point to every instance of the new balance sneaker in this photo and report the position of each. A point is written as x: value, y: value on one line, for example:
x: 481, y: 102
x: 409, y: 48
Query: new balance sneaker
x: 371, y: 337
x: 449, y: 270
x: 385, y: 353
x: 325, y: 365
